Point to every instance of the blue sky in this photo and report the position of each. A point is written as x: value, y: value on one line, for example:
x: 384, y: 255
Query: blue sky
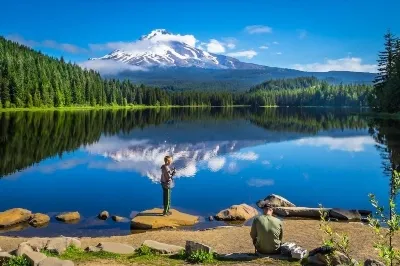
x: 310, y: 35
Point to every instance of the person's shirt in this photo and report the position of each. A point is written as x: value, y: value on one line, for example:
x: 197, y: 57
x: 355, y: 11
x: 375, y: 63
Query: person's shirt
x: 267, y: 233
x: 166, y: 174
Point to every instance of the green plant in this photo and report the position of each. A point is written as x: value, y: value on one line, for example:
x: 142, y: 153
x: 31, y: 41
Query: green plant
x: 386, y: 225
x: 200, y: 256
x: 334, y: 240
x: 17, y: 261
x: 77, y: 254
x: 144, y: 251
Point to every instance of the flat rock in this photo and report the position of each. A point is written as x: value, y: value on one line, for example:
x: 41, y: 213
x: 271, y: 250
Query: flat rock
x: 23, y: 248
x: 51, y: 261
x: 119, y: 219
x: 103, y: 215
x: 348, y: 215
x: 370, y: 262
x: 39, y: 220
x: 37, y: 243
x: 68, y: 216
x: 116, y: 248
x: 92, y: 249
x: 59, y: 245
x: 162, y: 248
x: 301, y: 212
x: 276, y: 201
x: 192, y: 246
x: 4, y: 257
x: 153, y: 219
x: 34, y: 258
x: 240, y: 212
x: 14, y: 216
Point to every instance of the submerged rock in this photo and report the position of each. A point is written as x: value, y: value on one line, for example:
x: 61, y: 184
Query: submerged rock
x: 240, y: 212
x: 14, y: 216
x: 39, y: 220
x: 153, y: 219
x: 276, y: 201
x: 348, y: 215
x: 103, y: 215
x: 68, y: 216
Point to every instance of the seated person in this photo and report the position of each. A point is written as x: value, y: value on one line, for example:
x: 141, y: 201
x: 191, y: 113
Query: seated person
x: 267, y: 232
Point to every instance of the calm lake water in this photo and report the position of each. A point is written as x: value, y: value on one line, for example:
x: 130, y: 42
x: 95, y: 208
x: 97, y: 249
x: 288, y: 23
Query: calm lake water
x: 89, y: 161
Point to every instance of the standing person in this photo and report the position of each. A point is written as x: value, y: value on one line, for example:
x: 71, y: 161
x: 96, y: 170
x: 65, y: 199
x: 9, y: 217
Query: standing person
x: 167, y: 182
x: 267, y: 232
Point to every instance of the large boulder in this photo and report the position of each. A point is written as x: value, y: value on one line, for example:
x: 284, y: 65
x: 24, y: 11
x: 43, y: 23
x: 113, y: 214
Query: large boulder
x: 39, y: 220
x: 370, y: 262
x: 59, y: 245
x: 192, y: 247
x: 68, y: 217
x: 276, y: 201
x: 34, y: 258
x: 153, y: 219
x: 162, y: 248
x: 240, y: 212
x: 116, y: 248
x: 103, y: 215
x: 301, y: 212
x: 347, y: 215
x: 14, y: 216
x: 52, y: 261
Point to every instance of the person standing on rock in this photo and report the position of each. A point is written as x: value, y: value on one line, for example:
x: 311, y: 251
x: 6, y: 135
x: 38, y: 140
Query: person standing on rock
x: 167, y: 183
x: 267, y: 232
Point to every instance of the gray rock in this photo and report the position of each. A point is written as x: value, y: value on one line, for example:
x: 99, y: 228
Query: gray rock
x: 276, y: 201
x: 116, y: 248
x: 51, y: 261
x: 192, y: 246
x: 162, y: 248
x: 370, y: 262
x: 103, y: 215
x: 286, y: 248
x: 39, y: 220
x: 23, y: 248
x: 348, y: 215
x: 4, y: 257
x: 34, y: 258
x: 119, y: 219
x: 68, y: 217
x: 301, y: 212
x: 37, y: 244
x: 59, y: 245
x: 336, y: 257
x: 92, y: 249
x: 293, y: 250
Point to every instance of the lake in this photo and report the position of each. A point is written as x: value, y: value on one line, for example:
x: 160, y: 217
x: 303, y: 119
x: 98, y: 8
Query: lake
x: 89, y: 161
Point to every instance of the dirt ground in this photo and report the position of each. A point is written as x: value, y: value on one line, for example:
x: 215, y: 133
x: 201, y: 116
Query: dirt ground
x: 306, y: 233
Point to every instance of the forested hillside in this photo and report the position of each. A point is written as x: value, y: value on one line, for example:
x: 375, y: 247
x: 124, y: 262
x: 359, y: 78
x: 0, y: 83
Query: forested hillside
x: 30, y: 79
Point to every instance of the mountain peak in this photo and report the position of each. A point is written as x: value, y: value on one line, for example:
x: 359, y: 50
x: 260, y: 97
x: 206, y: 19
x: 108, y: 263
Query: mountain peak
x: 154, y: 33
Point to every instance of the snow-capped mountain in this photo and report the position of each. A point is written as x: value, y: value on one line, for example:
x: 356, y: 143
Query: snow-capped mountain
x: 162, y: 49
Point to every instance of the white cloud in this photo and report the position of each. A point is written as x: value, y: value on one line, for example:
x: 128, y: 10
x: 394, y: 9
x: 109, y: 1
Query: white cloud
x: 302, y: 34
x: 256, y: 29
x: 249, y: 54
x: 214, y: 46
x: 279, y: 53
x: 263, y: 47
x: 343, y: 64
x: 245, y: 156
x: 230, y: 42
x: 257, y: 182
x: 109, y: 67
x: 276, y: 43
x: 266, y: 162
x: 352, y: 144
x: 215, y: 164
x: 231, y: 45
x: 65, y: 47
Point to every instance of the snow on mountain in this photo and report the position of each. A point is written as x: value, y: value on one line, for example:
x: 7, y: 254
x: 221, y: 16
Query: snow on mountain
x: 160, y: 48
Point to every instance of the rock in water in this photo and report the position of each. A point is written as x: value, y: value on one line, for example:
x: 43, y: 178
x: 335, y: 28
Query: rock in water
x: 39, y: 220
x: 348, y: 215
x: 240, y: 212
x: 68, y: 216
x: 301, y: 212
x: 162, y: 248
x: 153, y: 219
x: 119, y: 219
x: 103, y: 215
x: 370, y: 262
x: 116, y: 248
x: 14, y: 216
x: 276, y: 201
x: 192, y: 246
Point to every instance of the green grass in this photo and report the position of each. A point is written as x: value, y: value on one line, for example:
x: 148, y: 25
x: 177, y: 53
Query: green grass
x: 17, y: 261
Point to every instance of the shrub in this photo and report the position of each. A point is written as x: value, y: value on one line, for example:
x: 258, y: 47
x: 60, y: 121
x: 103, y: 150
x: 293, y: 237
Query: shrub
x: 18, y: 261
x: 144, y: 251
x: 200, y: 257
